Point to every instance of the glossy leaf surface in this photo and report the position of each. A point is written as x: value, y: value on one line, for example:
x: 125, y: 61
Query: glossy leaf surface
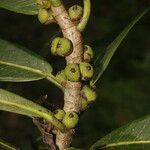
x: 133, y: 136
x: 102, y: 63
x: 14, y: 103
x: 28, y: 7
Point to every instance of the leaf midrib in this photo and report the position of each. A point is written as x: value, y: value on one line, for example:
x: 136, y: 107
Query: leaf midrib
x: 39, y: 113
x: 125, y: 143
x: 47, y: 115
x: 49, y: 77
x: 7, y: 146
x: 24, y: 67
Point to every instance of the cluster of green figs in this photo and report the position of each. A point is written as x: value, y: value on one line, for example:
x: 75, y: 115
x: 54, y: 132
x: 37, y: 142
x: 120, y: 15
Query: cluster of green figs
x: 45, y: 14
x: 75, y: 73
x: 61, y: 46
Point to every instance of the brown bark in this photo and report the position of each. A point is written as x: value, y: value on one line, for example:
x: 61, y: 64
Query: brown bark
x: 72, y: 89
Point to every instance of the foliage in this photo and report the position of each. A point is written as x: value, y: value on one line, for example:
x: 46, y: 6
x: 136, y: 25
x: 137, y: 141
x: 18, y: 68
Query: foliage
x: 20, y: 6
x: 132, y: 136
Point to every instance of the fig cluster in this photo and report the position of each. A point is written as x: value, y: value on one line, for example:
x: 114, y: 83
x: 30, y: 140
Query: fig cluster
x: 61, y: 46
x: 69, y: 119
x: 73, y: 72
x: 88, y: 93
x: 76, y: 72
x: 44, y: 11
x: 45, y: 15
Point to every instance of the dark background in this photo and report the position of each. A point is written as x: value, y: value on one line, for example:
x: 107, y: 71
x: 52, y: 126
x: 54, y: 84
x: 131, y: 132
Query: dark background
x: 124, y: 89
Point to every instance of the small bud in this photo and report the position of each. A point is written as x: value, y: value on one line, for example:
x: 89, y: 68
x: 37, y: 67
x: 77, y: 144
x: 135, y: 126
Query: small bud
x: 43, y: 15
x: 50, y: 18
x: 59, y: 114
x: 61, y: 78
x: 88, y: 53
x: 61, y: 46
x: 75, y: 12
x: 84, y: 104
x: 88, y: 93
x: 70, y: 119
x: 56, y: 3
x: 44, y: 3
x: 86, y: 70
x: 72, y: 72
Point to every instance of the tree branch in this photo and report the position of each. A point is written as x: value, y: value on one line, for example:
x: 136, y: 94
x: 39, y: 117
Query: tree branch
x: 72, y: 89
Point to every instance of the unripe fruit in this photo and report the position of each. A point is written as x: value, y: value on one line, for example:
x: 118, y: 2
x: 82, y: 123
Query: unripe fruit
x: 56, y: 3
x: 54, y: 45
x: 59, y: 114
x: 88, y: 93
x: 50, y: 17
x: 61, y: 46
x: 44, y: 3
x: 86, y: 70
x: 88, y: 53
x: 72, y: 72
x: 84, y: 104
x: 61, y: 77
x: 64, y: 47
x: 43, y: 15
x: 75, y: 12
x: 70, y: 119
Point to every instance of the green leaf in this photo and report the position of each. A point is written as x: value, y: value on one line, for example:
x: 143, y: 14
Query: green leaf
x: 133, y: 136
x: 6, y: 146
x: 28, y: 7
x: 101, y: 64
x: 17, y: 104
x: 18, y: 64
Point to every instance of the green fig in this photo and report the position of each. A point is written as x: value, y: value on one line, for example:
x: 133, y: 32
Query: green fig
x: 72, y: 72
x: 56, y: 3
x: 43, y: 15
x: 61, y: 47
x: 84, y: 104
x: 61, y: 77
x: 44, y: 3
x: 88, y: 93
x: 70, y: 119
x: 88, y: 53
x: 86, y: 70
x: 59, y: 114
x: 75, y: 12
